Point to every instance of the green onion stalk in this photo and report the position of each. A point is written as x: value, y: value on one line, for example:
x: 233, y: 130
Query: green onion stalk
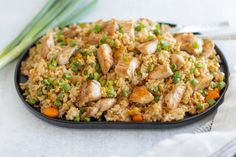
x: 54, y: 13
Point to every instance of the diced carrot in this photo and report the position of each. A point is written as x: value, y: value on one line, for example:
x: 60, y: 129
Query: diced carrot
x: 51, y: 112
x: 137, y: 118
x: 212, y: 94
x: 217, y: 90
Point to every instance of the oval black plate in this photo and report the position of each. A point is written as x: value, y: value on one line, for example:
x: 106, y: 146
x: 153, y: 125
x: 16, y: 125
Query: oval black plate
x: 19, y: 78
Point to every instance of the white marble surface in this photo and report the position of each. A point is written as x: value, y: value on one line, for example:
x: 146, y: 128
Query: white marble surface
x: 22, y: 134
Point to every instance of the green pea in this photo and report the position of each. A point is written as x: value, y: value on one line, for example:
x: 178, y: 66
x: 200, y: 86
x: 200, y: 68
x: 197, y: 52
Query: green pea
x: 150, y: 37
x: 111, y: 92
x: 194, y: 82
x: 156, y: 98
x: 73, y: 43
x: 60, y: 83
x: 86, y: 72
x: 150, y: 67
x: 87, y: 119
x: 125, y: 93
x: 67, y: 87
x: 221, y: 85
x: 195, y: 45
x: 47, y: 82
x: 39, y: 91
x: 32, y: 101
x: 178, y: 74
x: 67, y: 76
x: 58, y: 103
x: 200, y: 106
x: 60, y: 96
x: 76, y: 66
x: 97, y: 28
x: 77, y: 119
x: 139, y: 27
x: 211, y: 102
x: 176, y: 80
x: 82, y: 109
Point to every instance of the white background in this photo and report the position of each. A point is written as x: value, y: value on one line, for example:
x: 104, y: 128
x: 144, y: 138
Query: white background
x: 24, y: 135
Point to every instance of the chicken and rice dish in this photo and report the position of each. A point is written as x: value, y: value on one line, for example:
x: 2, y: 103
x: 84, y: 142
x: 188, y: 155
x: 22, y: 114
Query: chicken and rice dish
x: 121, y: 70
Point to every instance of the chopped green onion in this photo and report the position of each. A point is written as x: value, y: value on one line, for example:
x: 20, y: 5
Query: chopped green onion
x: 97, y: 28
x: 200, y: 65
x: 211, y: 102
x: 103, y: 39
x: 76, y: 66
x: 67, y: 87
x: 47, y: 82
x: 60, y: 83
x: 82, y: 109
x: 111, y: 92
x: 164, y: 44
x: 221, y: 85
x: 111, y: 42
x: 178, y: 74
x: 194, y: 82
x: 126, y: 57
x: 176, y: 80
x: 173, y: 67
x: 86, y: 72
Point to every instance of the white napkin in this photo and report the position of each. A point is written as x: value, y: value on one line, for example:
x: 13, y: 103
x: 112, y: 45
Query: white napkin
x: 220, y: 141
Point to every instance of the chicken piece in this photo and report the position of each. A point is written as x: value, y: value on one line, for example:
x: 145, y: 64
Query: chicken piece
x: 101, y: 106
x: 71, y: 31
x: 119, y: 53
x: 178, y: 60
x: 190, y: 43
x: 64, y: 56
x: 148, y: 47
x: 161, y: 72
x: 204, y: 81
x: 126, y: 67
x: 90, y: 91
x: 105, y: 57
x: 141, y: 95
x: 208, y: 47
x: 127, y: 26
x: 110, y: 27
x: 47, y: 44
x: 72, y: 113
x: 93, y: 38
x: 173, y: 98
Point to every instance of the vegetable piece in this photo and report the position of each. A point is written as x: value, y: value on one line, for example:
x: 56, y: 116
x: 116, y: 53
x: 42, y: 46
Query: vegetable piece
x: 87, y: 119
x: 39, y: 91
x: 137, y: 118
x: 60, y: 14
x: 211, y: 102
x: 58, y: 103
x: 173, y: 67
x: 150, y: 67
x: 67, y: 76
x: 125, y: 93
x: 195, y: 45
x: 212, y: 94
x: 221, y: 85
x: 77, y: 119
x: 139, y: 27
x: 155, y: 89
x: 31, y: 101
x: 67, y: 87
x: 194, y: 82
x: 60, y: 96
x: 97, y: 28
x: 51, y: 112
x: 157, y: 30
x: 200, y: 106
x: 177, y: 76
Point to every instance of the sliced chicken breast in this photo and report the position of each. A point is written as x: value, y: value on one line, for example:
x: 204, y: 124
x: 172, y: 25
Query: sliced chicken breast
x: 190, y: 43
x: 101, y: 106
x: 178, y: 60
x: 111, y: 27
x: 208, y: 47
x: 64, y: 56
x: 148, y: 47
x: 173, y: 98
x: 47, y: 44
x: 90, y: 91
x: 161, y: 72
x: 141, y: 95
x: 105, y: 57
x: 126, y: 67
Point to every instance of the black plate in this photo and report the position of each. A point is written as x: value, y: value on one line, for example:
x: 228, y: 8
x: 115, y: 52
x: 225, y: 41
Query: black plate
x: 19, y: 78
